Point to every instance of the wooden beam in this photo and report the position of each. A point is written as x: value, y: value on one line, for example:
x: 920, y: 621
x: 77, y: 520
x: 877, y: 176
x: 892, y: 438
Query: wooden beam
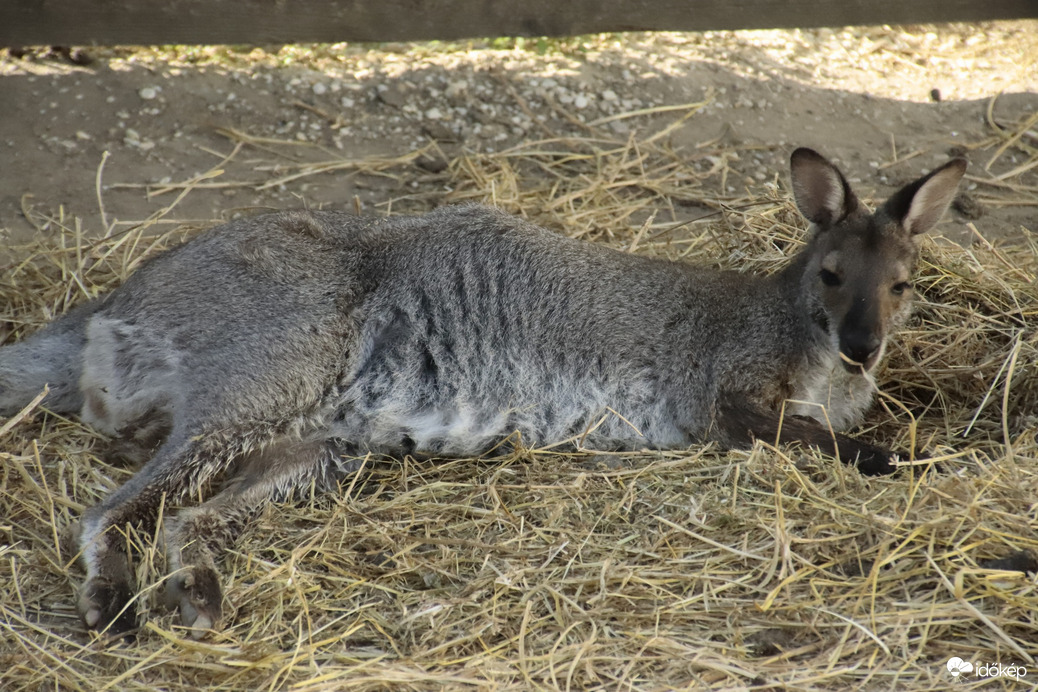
x: 146, y: 22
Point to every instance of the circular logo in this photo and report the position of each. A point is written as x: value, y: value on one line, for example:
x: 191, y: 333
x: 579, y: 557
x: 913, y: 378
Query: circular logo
x: 957, y: 667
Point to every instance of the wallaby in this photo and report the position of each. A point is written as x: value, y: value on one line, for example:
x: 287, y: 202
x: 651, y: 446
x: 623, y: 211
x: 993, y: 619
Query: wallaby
x: 273, y: 351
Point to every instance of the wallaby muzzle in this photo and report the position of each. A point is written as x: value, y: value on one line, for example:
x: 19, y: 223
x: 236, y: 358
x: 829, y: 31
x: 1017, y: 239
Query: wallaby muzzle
x: 860, y: 344
x: 861, y: 335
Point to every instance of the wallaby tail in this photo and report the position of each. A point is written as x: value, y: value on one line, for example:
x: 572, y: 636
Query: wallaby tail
x: 52, y: 357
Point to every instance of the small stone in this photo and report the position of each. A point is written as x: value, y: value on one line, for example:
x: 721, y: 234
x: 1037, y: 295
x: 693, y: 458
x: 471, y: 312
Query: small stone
x: 395, y: 96
x: 320, y: 88
x: 433, y: 164
x: 967, y: 205
x: 434, y: 113
x: 149, y: 93
x: 439, y: 131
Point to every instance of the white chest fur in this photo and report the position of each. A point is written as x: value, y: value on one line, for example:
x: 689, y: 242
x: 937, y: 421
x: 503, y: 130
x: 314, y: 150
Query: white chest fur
x: 832, y: 395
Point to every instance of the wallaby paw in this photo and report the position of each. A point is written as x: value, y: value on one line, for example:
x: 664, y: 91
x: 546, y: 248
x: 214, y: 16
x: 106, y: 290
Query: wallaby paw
x: 874, y: 461
x: 196, y: 593
x: 106, y: 607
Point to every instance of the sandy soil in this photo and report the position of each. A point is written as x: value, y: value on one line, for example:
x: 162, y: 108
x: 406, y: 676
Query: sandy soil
x: 885, y: 103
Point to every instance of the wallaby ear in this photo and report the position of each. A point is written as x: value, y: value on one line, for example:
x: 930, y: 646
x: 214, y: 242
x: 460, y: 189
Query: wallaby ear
x: 821, y: 192
x: 918, y: 206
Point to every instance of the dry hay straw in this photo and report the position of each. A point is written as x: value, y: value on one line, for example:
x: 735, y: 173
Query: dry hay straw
x: 768, y: 567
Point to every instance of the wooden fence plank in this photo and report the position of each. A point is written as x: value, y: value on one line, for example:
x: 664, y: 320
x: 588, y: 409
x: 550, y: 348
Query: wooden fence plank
x: 116, y: 22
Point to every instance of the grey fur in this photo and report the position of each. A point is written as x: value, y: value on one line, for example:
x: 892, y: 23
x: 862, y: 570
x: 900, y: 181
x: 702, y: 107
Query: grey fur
x: 271, y: 347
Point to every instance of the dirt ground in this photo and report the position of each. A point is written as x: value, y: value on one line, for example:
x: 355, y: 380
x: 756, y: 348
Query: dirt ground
x: 884, y: 103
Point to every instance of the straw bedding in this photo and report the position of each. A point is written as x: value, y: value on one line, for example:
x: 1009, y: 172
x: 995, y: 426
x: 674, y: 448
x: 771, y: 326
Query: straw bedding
x: 768, y: 568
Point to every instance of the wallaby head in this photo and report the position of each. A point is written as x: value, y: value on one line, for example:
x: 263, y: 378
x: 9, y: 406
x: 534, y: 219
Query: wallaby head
x: 857, y: 268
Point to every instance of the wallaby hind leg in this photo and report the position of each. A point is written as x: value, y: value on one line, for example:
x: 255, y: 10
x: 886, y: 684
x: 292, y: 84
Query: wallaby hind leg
x: 196, y: 536
x: 220, y: 401
x: 739, y: 423
x: 183, y: 462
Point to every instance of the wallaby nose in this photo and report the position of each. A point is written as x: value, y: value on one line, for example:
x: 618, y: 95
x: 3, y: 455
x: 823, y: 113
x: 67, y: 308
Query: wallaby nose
x: 860, y: 350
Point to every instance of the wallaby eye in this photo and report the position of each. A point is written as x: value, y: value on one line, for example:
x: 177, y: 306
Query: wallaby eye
x: 900, y: 288
x: 830, y: 278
